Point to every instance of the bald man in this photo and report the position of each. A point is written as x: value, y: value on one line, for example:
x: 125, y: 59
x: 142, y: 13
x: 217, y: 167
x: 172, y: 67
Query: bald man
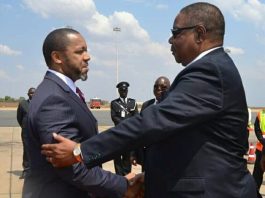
x: 161, y: 86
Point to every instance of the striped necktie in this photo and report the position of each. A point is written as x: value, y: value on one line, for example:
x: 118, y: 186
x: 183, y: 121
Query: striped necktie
x: 81, y: 95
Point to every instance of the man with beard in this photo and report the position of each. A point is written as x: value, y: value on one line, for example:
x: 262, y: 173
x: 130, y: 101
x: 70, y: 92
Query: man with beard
x: 58, y: 105
x: 196, y: 137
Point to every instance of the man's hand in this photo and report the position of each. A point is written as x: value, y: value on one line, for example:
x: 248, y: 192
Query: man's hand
x: 136, y: 186
x: 61, y: 153
x: 133, y: 160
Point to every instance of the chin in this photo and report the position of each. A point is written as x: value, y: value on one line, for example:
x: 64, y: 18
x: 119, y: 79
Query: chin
x: 83, y: 77
x: 177, y: 60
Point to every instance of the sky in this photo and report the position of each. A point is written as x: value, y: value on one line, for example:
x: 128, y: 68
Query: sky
x: 141, y: 44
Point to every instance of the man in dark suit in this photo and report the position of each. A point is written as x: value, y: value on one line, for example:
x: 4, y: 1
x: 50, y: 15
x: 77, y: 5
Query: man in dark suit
x: 259, y: 128
x: 121, y: 109
x: 196, y: 137
x: 160, y: 88
x: 22, y: 113
x: 58, y: 105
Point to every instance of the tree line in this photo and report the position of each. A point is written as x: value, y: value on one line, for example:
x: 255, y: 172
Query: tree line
x: 10, y: 99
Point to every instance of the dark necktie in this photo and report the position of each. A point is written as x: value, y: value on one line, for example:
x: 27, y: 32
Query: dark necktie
x: 124, y: 101
x: 81, y: 95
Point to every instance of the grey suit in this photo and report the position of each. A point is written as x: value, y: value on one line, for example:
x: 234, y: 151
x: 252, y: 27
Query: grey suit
x: 55, y: 108
x: 196, y: 137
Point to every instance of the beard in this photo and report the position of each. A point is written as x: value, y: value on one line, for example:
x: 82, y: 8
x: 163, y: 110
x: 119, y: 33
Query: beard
x: 83, y: 76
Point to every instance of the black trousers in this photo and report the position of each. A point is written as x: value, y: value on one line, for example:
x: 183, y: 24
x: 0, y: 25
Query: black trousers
x: 122, y: 164
x: 257, y: 172
x: 25, y: 161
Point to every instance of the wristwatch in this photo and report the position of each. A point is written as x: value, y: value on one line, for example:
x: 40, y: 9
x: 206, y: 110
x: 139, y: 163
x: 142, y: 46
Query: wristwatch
x: 77, y: 153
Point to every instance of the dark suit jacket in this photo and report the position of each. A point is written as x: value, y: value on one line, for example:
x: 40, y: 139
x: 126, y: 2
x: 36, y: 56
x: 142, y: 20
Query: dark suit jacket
x: 196, y: 137
x: 22, y: 112
x: 139, y: 154
x: 55, y: 108
x: 117, y: 106
x: 147, y: 104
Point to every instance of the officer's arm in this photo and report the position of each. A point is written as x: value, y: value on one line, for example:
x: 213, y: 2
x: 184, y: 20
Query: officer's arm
x: 115, y: 115
x: 135, y: 109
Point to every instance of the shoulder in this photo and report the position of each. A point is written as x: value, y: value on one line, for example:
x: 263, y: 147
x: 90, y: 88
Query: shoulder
x: 116, y: 100
x: 148, y: 102
x: 151, y: 101
x: 131, y: 100
x: 23, y: 102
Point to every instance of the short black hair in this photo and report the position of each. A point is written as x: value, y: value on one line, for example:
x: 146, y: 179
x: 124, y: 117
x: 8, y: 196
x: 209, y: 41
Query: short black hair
x: 207, y: 15
x: 56, y: 40
x: 30, y: 89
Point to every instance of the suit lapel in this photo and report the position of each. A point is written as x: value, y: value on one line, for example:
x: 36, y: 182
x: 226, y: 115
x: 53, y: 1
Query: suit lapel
x: 69, y: 92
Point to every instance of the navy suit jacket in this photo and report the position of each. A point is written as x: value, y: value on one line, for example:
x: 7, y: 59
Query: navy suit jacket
x: 147, y: 104
x: 196, y: 137
x: 22, y: 112
x: 56, y: 108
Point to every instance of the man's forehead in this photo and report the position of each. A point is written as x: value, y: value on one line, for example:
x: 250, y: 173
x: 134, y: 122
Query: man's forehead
x: 180, y: 20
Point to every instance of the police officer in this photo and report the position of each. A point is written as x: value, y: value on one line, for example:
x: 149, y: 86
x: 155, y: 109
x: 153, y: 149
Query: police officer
x: 121, y: 109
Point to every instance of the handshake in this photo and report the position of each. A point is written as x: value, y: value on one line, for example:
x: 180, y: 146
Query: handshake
x: 61, y: 155
x: 135, y: 187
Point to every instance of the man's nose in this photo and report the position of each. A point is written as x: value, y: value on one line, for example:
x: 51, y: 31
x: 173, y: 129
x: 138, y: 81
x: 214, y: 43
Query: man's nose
x: 86, y: 56
x: 170, y: 40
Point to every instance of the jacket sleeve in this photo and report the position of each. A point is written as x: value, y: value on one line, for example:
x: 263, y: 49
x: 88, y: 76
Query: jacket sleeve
x: 184, y: 107
x: 115, y: 114
x: 19, y: 114
x: 135, y: 112
x: 56, y: 115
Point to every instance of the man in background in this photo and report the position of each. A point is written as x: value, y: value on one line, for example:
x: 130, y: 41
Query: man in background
x: 22, y: 113
x: 121, y: 109
x: 259, y: 128
x: 160, y: 88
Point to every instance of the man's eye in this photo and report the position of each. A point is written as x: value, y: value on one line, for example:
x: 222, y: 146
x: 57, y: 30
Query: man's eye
x: 81, y: 50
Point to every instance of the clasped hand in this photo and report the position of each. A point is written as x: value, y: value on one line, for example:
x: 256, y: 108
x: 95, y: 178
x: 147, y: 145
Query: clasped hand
x: 135, y: 186
x: 59, y: 154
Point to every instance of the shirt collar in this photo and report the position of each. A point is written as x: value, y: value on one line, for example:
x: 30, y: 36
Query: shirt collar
x: 202, y: 55
x: 124, y: 100
x: 66, y: 79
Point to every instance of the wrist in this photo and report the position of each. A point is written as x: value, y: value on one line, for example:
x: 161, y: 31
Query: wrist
x: 78, y: 153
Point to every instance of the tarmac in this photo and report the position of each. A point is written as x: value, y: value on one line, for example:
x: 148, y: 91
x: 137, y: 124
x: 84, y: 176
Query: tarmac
x: 11, y: 166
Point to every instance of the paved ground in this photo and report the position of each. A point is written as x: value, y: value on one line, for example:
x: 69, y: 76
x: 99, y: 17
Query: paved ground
x: 10, y: 165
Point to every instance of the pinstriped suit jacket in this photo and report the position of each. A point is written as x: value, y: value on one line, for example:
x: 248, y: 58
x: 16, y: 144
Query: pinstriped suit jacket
x: 55, y: 108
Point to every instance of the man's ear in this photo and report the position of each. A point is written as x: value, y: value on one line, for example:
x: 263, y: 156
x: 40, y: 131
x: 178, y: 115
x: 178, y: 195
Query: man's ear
x: 200, y: 33
x: 56, y: 57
